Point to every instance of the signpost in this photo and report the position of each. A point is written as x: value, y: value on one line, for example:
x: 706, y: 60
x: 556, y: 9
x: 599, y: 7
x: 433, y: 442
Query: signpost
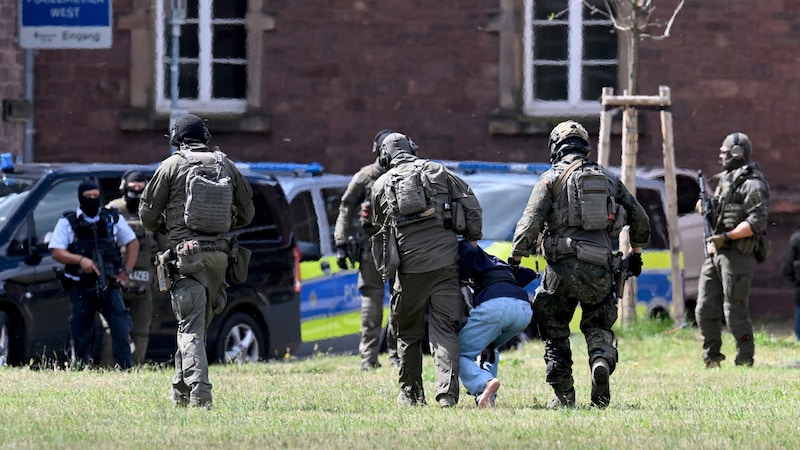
x: 65, y: 24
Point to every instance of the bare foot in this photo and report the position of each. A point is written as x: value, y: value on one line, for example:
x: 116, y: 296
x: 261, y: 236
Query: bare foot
x: 486, y: 399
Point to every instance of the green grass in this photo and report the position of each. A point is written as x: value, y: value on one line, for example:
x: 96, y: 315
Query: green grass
x: 662, y: 397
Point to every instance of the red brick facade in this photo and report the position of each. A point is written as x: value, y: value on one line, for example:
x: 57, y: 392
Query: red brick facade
x: 335, y: 72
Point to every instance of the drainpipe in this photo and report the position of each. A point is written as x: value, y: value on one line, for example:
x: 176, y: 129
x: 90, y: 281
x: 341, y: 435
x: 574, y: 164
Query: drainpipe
x: 29, y: 130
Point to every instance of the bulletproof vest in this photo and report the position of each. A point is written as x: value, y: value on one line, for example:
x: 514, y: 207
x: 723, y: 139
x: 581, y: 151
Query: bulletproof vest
x: 94, y: 235
x: 409, y: 193
x: 730, y: 202
x: 209, y: 193
x: 147, y: 241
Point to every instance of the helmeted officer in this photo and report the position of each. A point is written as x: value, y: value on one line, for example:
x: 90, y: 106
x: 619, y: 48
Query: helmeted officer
x: 353, y: 222
x: 427, y: 246
x: 740, y: 206
x: 198, y: 277
x: 572, y: 205
x: 92, y: 278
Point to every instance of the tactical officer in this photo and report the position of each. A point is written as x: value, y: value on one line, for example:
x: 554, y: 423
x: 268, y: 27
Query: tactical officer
x: 199, y: 239
x: 416, y: 198
x: 740, y: 205
x: 87, y: 243
x: 579, y: 207
x: 137, y: 292
x: 353, y: 223
x: 791, y: 270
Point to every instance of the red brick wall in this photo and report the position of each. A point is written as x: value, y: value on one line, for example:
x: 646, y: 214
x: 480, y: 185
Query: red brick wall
x: 12, y: 60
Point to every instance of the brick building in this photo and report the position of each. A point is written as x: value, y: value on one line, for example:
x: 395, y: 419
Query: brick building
x: 313, y: 81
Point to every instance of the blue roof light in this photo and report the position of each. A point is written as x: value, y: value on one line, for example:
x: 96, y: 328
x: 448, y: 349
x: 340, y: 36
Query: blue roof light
x: 487, y: 166
x: 7, y: 162
x: 313, y: 168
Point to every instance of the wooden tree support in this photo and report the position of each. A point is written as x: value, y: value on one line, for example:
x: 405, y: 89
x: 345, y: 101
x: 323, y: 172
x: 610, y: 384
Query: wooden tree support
x: 631, y: 104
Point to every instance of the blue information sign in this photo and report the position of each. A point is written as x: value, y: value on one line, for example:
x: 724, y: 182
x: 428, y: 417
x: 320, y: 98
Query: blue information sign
x: 65, y: 23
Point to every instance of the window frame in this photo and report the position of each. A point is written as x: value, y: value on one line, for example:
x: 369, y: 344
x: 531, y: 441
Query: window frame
x: 575, y: 104
x: 204, y: 103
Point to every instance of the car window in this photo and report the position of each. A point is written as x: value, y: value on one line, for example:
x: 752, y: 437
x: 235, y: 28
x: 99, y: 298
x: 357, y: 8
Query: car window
x: 304, y: 218
x: 654, y: 206
x: 12, y: 191
x: 263, y: 227
x: 502, y: 205
x: 688, y: 193
x: 332, y: 198
x: 62, y: 197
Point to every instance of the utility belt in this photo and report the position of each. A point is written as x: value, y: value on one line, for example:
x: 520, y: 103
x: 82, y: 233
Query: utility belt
x: 184, y: 259
x: 558, y: 247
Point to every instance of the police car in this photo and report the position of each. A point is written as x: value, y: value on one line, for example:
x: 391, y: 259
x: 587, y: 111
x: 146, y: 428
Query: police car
x: 503, y: 190
x: 330, y: 302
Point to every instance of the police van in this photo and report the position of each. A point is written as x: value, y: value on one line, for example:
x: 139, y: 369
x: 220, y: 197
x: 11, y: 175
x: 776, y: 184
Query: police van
x: 503, y: 190
x: 330, y: 302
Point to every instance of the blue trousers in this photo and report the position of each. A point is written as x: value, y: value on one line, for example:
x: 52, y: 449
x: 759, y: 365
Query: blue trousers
x: 494, y: 321
x: 84, y: 304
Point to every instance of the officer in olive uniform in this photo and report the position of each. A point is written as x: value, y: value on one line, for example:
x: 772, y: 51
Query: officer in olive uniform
x: 137, y: 292
x: 75, y: 238
x: 198, y: 295
x: 354, y: 222
x: 577, y: 245
x: 740, y: 206
x: 791, y: 270
x: 428, y: 271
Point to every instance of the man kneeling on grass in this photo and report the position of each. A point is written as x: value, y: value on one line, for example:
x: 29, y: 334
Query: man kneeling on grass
x: 500, y: 310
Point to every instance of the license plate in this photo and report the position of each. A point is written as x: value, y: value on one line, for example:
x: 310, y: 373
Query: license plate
x: 140, y: 275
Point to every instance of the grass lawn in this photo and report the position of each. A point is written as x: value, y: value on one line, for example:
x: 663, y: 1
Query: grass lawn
x: 662, y: 397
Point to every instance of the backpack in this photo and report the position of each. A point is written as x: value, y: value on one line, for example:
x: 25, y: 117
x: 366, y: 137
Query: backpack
x: 408, y: 193
x: 589, y: 203
x: 209, y: 194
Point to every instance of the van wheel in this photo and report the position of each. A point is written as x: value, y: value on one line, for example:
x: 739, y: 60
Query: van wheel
x: 5, y: 339
x: 240, y: 340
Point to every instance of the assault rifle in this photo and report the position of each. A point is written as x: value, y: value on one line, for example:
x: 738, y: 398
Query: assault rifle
x: 102, y: 284
x: 353, y: 250
x: 705, y: 204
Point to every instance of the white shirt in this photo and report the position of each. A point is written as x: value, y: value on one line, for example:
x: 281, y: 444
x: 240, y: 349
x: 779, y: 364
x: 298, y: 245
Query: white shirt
x: 63, y: 234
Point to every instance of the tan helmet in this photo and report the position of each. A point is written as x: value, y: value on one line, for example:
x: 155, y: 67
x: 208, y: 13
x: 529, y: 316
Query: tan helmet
x: 736, y: 150
x: 566, y: 131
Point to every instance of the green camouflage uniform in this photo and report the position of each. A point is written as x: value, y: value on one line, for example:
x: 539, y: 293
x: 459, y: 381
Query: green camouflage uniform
x: 568, y: 281
x: 724, y: 285
x: 350, y: 223
x: 138, y: 294
x: 428, y: 278
x: 197, y: 297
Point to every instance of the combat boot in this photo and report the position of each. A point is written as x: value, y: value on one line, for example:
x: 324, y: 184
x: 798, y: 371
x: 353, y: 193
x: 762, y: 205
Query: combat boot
x: 563, y: 399
x: 601, y: 392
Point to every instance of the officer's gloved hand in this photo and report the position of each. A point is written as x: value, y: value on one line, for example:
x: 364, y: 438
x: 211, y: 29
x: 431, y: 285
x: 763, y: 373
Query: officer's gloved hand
x: 719, y: 241
x: 341, y: 257
x: 635, y: 264
x: 514, y: 263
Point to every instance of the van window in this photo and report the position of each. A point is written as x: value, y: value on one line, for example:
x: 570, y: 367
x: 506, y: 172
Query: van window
x: 653, y: 205
x: 304, y: 218
x: 263, y: 227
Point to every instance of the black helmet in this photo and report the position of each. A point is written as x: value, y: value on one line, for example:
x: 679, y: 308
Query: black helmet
x: 735, y: 151
x: 378, y: 140
x: 566, y: 137
x: 394, y: 144
x: 189, y: 127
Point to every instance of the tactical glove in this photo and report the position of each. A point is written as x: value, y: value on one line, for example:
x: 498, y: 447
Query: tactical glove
x: 635, y: 264
x: 514, y: 263
x: 719, y: 241
x: 341, y: 257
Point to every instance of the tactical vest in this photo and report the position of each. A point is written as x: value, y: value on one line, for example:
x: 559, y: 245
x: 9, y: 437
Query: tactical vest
x: 730, y: 208
x: 147, y: 241
x: 91, y: 235
x: 409, y: 194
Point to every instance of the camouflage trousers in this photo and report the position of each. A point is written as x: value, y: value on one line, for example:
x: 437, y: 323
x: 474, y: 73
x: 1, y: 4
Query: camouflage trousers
x: 565, y: 285
x: 724, y: 289
x: 195, y: 300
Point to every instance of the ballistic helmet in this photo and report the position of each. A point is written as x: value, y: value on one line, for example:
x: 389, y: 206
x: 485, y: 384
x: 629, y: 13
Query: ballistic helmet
x: 567, y: 137
x: 378, y: 140
x: 189, y: 127
x: 394, y: 144
x: 735, y: 151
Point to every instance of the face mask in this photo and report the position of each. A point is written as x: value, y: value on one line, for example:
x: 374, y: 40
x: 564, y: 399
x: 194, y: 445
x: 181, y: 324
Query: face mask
x: 90, y: 206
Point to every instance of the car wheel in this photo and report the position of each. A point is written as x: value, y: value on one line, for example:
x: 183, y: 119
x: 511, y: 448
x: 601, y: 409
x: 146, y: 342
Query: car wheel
x: 5, y: 340
x: 240, y: 340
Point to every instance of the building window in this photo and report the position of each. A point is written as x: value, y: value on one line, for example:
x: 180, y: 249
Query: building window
x: 569, y: 55
x: 212, y: 62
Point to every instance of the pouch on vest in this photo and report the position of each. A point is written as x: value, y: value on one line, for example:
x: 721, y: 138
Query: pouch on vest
x: 459, y: 218
x: 408, y: 195
x: 385, y: 251
x: 763, y: 246
x: 238, y: 263
x: 588, y: 199
x: 189, y: 258
x: 209, y: 195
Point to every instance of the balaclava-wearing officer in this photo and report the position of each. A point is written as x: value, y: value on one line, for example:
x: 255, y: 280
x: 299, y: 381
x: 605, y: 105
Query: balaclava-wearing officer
x: 735, y: 151
x: 89, y: 206
x: 133, y: 185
